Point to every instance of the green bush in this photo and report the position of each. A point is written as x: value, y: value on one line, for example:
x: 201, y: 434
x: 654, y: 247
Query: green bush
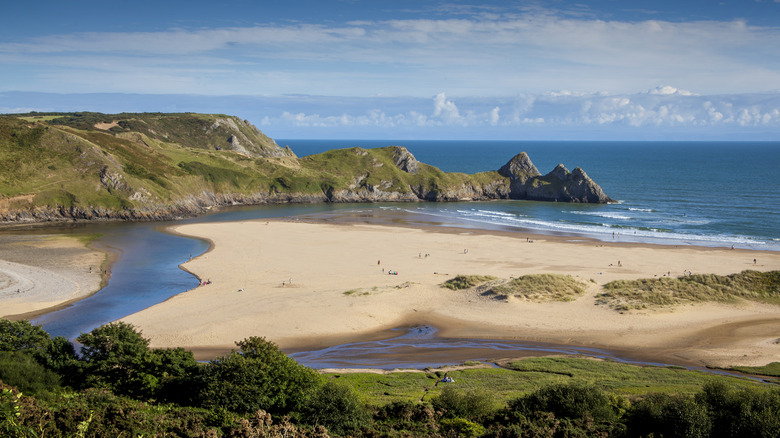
x: 576, y: 401
x: 337, y: 407
x: 670, y: 416
x: 259, y: 376
x: 473, y: 404
x: 21, y: 335
x: 741, y: 413
x: 460, y: 427
x: 21, y: 370
x: 117, y: 357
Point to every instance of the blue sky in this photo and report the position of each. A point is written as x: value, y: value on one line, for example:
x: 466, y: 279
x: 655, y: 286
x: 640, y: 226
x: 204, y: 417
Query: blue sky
x: 589, y: 69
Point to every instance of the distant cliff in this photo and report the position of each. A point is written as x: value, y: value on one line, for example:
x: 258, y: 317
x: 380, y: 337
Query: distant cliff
x: 151, y: 166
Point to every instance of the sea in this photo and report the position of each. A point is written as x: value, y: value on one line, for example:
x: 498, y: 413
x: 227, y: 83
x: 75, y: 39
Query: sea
x: 691, y: 193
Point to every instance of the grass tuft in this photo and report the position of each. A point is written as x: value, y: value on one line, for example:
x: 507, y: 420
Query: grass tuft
x: 542, y: 287
x: 466, y: 281
x: 663, y: 292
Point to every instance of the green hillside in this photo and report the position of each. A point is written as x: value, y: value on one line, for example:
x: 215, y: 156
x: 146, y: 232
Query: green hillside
x: 57, y: 166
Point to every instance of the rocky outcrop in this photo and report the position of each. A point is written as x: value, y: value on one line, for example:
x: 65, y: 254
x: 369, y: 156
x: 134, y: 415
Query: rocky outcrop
x: 519, y: 168
x: 560, y: 185
x: 405, y: 161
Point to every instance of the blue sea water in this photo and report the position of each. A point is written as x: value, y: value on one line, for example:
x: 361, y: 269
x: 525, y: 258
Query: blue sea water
x: 698, y: 193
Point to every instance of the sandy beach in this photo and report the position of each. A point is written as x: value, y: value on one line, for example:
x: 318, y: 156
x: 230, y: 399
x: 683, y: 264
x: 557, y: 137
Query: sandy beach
x: 315, y: 284
x: 43, y: 271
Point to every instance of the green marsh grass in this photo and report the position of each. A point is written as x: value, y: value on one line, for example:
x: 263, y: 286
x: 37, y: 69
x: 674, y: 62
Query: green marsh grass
x: 526, y: 375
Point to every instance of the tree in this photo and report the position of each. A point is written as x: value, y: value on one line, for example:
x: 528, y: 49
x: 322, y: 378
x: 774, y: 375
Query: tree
x: 117, y: 357
x: 748, y: 412
x: 259, y: 376
x: 112, y: 355
x: 21, y: 335
x: 669, y: 416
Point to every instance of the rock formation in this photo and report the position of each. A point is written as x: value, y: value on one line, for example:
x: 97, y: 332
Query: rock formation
x: 560, y: 185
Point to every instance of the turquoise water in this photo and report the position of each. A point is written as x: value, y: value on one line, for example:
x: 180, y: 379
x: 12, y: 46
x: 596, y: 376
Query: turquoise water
x: 700, y: 193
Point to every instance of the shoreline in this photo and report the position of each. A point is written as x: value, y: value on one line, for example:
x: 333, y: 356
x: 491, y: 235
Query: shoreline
x: 50, y: 272
x: 209, y: 319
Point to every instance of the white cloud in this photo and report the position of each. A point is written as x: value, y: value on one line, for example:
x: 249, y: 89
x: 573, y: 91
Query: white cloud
x: 483, y: 54
x: 641, y: 112
x: 445, y: 109
x: 494, y: 117
x: 666, y: 90
x: 543, y: 116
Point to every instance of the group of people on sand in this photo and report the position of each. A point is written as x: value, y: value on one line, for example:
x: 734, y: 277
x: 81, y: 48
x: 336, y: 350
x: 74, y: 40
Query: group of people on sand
x: 205, y: 282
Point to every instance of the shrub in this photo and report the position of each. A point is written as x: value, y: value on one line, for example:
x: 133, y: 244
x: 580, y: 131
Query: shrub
x: 473, y: 404
x: 574, y: 400
x: 117, y: 357
x: 22, y: 371
x: 258, y: 377
x: 741, y: 413
x: 337, y: 407
x: 460, y: 427
x: 669, y: 416
x: 21, y: 335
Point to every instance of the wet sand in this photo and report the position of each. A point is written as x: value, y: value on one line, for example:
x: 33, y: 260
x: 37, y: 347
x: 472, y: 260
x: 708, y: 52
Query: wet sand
x: 42, y: 272
x: 308, y: 285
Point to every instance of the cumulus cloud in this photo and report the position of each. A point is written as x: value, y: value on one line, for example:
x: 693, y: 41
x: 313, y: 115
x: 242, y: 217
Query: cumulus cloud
x: 666, y: 90
x: 445, y: 109
x: 641, y: 113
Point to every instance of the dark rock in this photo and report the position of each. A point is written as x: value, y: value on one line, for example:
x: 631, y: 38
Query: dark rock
x: 519, y: 168
x: 560, y: 185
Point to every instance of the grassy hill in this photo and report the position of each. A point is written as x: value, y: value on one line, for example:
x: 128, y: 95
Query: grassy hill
x: 154, y: 166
